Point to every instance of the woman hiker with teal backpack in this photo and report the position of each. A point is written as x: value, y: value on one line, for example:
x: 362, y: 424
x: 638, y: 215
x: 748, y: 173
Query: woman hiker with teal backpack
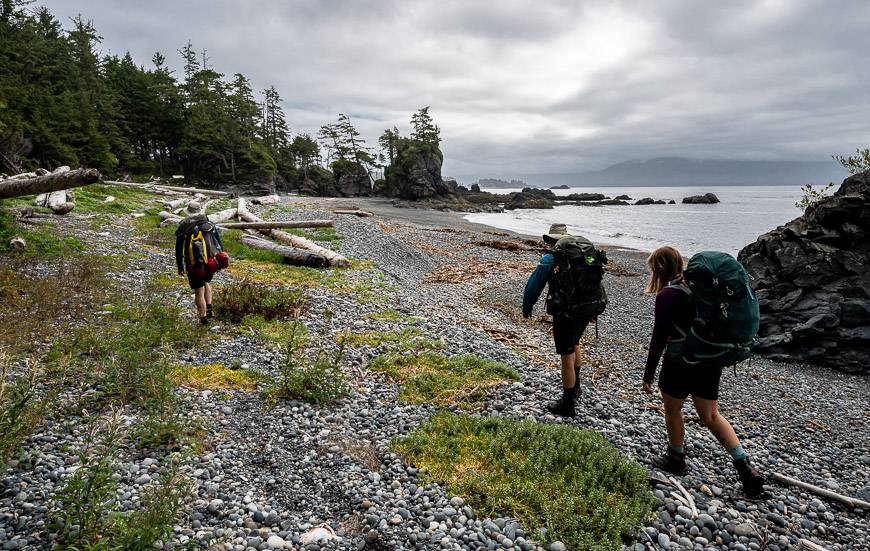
x: 693, y: 363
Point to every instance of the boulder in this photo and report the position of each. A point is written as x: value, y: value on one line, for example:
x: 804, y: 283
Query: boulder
x: 351, y: 179
x: 585, y: 197
x: 812, y: 278
x: 647, y: 201
x: 563, y: 186
x: 672, y: 202
x: 475, y: 188
x: 706, y: 199
x: 531, y: 198
x: 616, y: 201
x: 623, y: 197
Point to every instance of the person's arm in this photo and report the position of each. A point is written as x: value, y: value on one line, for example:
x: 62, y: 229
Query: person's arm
x: 664, y: 319
x: 217, y: 237
x: 536, y: 283
x: 179, y: 253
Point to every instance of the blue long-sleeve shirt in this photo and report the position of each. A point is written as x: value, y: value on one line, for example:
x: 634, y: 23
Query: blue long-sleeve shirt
x: 536, y: 283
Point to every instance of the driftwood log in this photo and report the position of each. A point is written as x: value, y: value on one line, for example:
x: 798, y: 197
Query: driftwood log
x: 275, y: 225
x: 355, y: 212
x: 265, y: 200
x: 175, y: 203
x: 812, y: 546
x: 18, y: 243
x: 297, y: 257
x: 850, y: 501
x: 16, y: 187
x: 333, y: 258
x: 160, y: 187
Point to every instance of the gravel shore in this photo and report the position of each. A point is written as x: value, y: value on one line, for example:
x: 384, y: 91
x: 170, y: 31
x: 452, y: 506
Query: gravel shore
x: 275, y: 473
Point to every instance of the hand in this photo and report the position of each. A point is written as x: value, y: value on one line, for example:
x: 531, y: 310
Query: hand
x: 647, y: 387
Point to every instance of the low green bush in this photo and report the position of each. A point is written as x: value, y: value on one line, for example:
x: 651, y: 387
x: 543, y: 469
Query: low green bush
x: 245, y: 298
x: 314, y: 377
x: 20, y: 410
x: 569, y: 481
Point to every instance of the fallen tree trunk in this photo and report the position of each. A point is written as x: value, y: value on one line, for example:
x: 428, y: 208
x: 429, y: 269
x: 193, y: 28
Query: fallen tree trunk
x: 850, y: 501
x: 297, y: 257
x: 217, y: 218
x: 49, y: 182
x: 175, y: 203
x: 355, y: 212
x: 158, y: 186
x: 333, y: 258
x: 276, y: 225
x: 265, y: 200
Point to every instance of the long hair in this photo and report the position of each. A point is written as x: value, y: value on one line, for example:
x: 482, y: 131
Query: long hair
x: 665, y: 265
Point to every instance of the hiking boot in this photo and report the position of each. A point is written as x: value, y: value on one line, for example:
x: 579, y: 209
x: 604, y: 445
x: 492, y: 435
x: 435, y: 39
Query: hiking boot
x: 204, y: 320
x: 753, y: 481
x: 672, y: 462
x: 564, y: 407
x: 209, y: 311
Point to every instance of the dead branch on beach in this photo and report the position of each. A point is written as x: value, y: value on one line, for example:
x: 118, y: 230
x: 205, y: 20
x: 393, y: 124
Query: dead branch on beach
x: 47, y: 183
x: 850, y: 501
x: 464, y: 274
x: 512, y: 246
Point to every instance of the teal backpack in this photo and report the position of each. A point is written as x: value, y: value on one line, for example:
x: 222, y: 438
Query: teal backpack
x: 726, y: 311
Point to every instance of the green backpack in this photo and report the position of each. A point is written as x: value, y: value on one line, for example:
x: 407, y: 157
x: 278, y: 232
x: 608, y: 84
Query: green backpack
x: 726, y: 311
x: 575, y: 289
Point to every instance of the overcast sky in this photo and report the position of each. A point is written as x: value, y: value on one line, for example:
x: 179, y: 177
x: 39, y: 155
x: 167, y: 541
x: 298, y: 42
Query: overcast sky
x: 540, y: 86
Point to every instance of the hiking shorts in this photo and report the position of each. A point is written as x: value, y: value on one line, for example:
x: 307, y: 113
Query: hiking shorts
x: 199, y: 280
x: 567, y: 333
x: 679, y: 380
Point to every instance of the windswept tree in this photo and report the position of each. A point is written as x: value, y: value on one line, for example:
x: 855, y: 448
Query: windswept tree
x: 305, y: 152
x: 389, y: 142
x: 424, y: 129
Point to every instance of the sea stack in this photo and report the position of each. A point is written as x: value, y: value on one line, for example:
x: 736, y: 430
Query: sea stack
x: 812, y: 276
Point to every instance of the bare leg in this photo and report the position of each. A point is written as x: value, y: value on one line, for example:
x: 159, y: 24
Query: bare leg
x: 207, y: 288
x: 199, y: 298
x: 568, y: 376
x: 708, y: 411
x: 674, y: 419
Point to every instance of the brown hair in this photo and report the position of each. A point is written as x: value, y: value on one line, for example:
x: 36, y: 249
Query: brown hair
x: 665, y: 265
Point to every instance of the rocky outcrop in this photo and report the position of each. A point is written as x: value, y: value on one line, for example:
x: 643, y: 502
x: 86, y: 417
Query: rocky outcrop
x: 351, y: 179
x: 416, y: 173
x: 812, y: 277
x: 584, y: 197
x: 649, y: 201
x: 563, y: 186
x: 531, y: 198
x: 706, y: 199
x: 623, y: 197
x: 318, y: 181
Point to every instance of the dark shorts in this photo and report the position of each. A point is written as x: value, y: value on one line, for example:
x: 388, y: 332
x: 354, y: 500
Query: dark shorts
x: 567, y: 333
x: 679, y: 380
x: 199, y: 280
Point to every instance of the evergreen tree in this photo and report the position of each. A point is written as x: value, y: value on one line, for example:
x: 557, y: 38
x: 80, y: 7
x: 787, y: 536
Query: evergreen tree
x: 424, y: 128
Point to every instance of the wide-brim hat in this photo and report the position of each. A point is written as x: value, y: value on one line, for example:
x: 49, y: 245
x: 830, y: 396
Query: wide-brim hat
x: 557, y: 232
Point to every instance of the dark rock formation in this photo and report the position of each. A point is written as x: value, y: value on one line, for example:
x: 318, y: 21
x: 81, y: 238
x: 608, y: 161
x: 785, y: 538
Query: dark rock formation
x: 623, y: 197
x: 416, y: 173
x: 584, y: 197
x: 531, y: 198
x: 616, y: 201
x: 649, y: 201
x: 318, y: 181
x: 706, y: 199
x: 351, y: 179
x: 563, y: 186
x: 475, y: 188
x: 812, y: 277
x: 672, y: 202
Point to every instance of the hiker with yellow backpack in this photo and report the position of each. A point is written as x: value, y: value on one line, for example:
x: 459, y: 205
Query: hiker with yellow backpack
x: 199, y: 252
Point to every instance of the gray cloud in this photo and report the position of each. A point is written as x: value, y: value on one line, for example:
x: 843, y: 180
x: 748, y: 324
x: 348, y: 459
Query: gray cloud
x: 525, y: 87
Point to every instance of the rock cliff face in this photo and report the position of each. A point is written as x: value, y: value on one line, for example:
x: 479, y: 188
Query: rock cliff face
x: 319, y: 181
x: 417, y: 175
x: 812, y: 276
x: 351, y: 179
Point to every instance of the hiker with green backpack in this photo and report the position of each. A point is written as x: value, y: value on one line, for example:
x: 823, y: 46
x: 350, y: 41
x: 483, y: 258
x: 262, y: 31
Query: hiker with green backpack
x: 705, y: 319
x: 573, y: 269
x: 199, y: 252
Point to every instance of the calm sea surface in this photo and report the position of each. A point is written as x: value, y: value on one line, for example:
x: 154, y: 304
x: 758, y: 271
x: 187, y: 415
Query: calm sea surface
x: 745, y: 212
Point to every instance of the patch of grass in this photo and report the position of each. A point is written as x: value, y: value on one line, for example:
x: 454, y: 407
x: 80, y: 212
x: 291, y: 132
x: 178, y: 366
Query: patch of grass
x: 408, y: 339
x: 390, y: 314
x: 570, y: 481
x: 246, y: 298
x: 277, y: 331
x: 216, y: 377
x: 433, y: 378
x: 91, y: 199
x: 317, y: 234
x: 42, y: 241
x: 271, y: 273
x: 239, y: 251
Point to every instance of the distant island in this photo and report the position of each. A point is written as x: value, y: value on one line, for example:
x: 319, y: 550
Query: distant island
x: 679, y: 171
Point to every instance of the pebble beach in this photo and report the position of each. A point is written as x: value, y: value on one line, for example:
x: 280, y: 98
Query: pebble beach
x: 274, y: 472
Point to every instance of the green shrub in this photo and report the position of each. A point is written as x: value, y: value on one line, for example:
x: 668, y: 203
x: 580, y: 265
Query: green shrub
x: 20, y: 411
x: 408, y: 339
x: 433, y: 378
x: 244, y: 298
x: 570, y: 481
x: 316, y: 378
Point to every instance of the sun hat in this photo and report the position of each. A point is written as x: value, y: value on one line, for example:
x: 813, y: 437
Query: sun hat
x: 557, y: 232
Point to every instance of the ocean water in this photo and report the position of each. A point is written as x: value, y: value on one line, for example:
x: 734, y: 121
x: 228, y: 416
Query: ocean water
x: 745, y: 212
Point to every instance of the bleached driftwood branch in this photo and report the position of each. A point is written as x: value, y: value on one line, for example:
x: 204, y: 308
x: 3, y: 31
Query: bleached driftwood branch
x: 276, y: 225
x: 56, y: 181
x: 850, y: 501
x: 298, y: 257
